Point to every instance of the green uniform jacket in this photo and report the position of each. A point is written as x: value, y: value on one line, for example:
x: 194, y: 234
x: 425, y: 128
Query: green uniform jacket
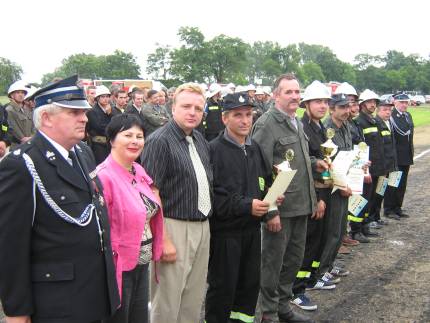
x: 275, y: 134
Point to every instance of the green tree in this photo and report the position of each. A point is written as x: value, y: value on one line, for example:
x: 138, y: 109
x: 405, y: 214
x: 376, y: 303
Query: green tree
x: 158, y: 63
x: 264, y: 62
x: 226, y: 58
x: 189, y: 61
x: 9, y: 73
x: 119, y: 65
x: 310, y: 72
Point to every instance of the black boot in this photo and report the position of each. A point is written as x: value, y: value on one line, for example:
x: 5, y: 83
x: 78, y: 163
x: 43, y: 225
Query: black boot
x: 367, y: 232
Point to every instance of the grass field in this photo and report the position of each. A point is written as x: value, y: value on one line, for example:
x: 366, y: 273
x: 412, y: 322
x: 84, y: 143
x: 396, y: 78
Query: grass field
x: 421, y: 114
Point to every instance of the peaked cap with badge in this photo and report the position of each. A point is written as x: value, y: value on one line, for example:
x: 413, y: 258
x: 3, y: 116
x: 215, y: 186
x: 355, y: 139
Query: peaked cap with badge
x: 236, y: 100
x: 55, y: 231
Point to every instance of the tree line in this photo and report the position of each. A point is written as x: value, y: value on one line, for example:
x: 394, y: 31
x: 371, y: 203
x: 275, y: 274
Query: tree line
x: 225, y: 59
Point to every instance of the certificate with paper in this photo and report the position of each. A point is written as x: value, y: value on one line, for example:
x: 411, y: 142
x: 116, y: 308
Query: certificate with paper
x: 394, y: 178
x: 355, y: 204
x: 279, y: 186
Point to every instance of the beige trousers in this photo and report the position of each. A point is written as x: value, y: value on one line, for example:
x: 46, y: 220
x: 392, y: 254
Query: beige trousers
x: 178, y: 296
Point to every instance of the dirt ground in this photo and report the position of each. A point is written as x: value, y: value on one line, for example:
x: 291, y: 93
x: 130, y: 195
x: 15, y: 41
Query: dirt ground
x: 390, y: 277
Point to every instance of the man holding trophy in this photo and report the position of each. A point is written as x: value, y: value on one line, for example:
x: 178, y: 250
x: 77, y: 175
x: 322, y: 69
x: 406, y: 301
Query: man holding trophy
x: 284, y: 235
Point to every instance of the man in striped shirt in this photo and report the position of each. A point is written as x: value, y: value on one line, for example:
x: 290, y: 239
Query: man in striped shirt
x: 176, y: 156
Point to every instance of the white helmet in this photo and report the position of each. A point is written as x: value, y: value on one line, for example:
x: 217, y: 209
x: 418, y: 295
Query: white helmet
x: 251, y: 87
x: 240, y: 88
x: 368, y: 95
x: 231, y: 86
x: 214, y: 89
x: 17, y: 86
x: 267, y: 90
x: 316, y: 90
x: 225, y: 90
x: 30, y: 92
x: 259, y: 91
x: 347, y: 89
x: 102, y: 90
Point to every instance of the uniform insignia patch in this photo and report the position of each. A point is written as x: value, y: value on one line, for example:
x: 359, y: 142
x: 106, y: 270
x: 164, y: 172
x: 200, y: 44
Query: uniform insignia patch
x: 17, y: 152
x: 93, y: 174
x: 50, y: 155
x: 101, y: 200
x: 241, y: 99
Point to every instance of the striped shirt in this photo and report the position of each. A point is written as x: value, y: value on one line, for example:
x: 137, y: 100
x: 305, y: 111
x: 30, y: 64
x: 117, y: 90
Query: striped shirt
x: 167, y: 160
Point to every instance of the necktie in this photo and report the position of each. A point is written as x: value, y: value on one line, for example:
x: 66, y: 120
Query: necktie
x: 204, y: 201
x: 75, y: 162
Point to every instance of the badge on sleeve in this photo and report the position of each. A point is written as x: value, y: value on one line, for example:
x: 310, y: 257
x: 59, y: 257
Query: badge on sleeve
x: 50, y: 155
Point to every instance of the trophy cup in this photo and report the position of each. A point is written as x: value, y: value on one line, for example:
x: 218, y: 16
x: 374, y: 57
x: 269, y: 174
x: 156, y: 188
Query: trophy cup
x: 329, y: 149
x: 285, y: 165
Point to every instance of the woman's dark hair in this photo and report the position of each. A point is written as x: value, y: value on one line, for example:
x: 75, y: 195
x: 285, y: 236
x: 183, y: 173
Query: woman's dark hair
x: 121, y: 123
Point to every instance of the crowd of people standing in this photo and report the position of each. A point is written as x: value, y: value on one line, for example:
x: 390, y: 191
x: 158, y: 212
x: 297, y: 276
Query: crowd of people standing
x: 114, y: 198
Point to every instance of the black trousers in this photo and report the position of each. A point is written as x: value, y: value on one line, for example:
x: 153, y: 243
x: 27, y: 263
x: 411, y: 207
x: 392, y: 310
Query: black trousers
x: 313, y: 248
x: 369, y: 192
x: 135, y: 297
x: 393, y: 200
x: 233, y: 277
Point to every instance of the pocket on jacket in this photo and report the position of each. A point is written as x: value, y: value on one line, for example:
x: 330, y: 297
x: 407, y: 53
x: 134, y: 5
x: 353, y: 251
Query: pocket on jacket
x: 52, y: 289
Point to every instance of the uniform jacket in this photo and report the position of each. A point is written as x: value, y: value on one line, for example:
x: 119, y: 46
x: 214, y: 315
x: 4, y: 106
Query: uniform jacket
x: 4, y: 126
x: 213, y: 120
x: 356, y: 132
x: 389, y: 145
x: 275, y: 134
x: 20, y: 120
x: 403, y: 129
x: 96, y: 126
x: 373, y: 139
x: 127, y: 214
x: 54, y: 270
x: 240, y: 175
x: 317, y: 136
x: 154, y: 118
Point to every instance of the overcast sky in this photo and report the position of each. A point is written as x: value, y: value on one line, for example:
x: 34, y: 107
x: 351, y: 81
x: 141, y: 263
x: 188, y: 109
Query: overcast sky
x: 38, y: 34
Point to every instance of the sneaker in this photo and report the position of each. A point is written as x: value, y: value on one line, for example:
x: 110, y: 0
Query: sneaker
x: 375, y: 225
x: 339, y: 272
x: 329, y: 277
x: 360, y: 237
x: 323, y: 285
x: 304, y: 302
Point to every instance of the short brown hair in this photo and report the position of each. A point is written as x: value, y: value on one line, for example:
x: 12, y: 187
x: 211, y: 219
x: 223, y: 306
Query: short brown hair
x: 286, y: 76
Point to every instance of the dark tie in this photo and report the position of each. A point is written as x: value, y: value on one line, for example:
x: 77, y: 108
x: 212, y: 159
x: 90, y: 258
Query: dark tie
x: 75, y: 162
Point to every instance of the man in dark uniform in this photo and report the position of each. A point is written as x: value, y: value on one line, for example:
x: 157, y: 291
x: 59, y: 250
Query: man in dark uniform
x: 240, y: 179
x: 98, y: 118
x: 57, y: 263
x: 315, y: 100
x: 284, y: 235
x: 213, y: 121
x: 373, y: 138
x: 383, y: 113
x: 403, y: 129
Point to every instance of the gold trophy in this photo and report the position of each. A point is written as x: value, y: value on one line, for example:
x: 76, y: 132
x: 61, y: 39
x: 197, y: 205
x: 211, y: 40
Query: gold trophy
x: 285, y: 165
x: 329, y: 149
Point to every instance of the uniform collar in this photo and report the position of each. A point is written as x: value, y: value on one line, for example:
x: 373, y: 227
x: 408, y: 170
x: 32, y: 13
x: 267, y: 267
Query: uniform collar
x: 63, y: 151
x: 234, y: 142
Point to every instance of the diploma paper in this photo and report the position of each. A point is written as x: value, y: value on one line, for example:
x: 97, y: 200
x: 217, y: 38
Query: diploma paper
x: 394, y: 178
x: 340, y: 167
x: 355, y: 204
x: 279, y: 186
x: 355, y: 180
x: 381, y: 186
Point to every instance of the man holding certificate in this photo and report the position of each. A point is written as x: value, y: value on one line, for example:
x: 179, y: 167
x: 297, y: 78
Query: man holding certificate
x: 284, y: 235
x: 240, y: 180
